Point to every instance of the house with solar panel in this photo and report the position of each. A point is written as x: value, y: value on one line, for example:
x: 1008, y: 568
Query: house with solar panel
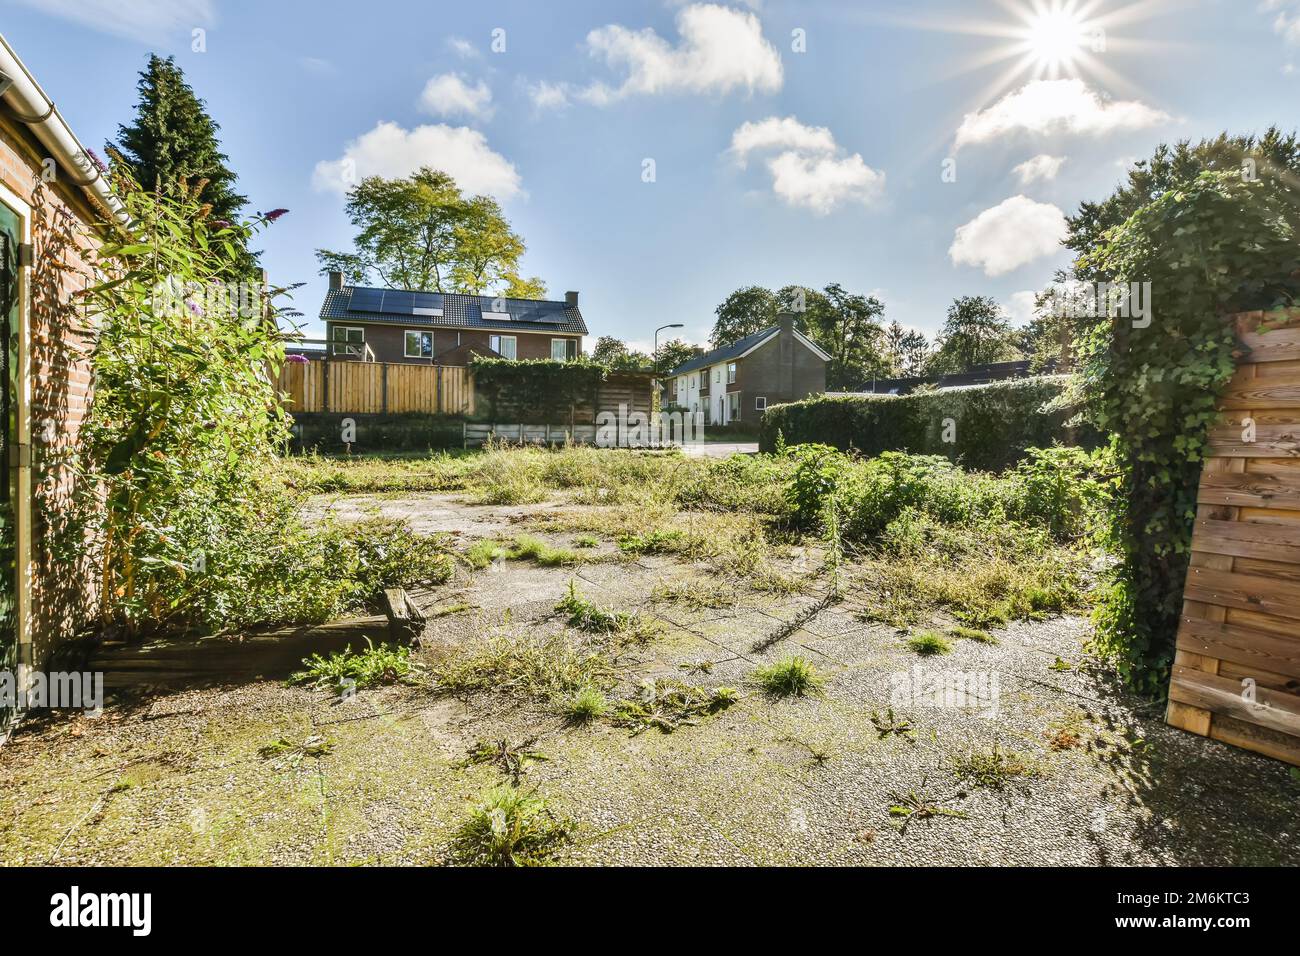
x: 737, y: 382
x: 446, y: 328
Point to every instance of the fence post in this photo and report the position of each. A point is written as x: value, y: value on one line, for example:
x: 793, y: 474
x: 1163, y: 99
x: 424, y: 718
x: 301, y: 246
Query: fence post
x: 325, y: 384
x: 437, y: 391
x: 383, y: 390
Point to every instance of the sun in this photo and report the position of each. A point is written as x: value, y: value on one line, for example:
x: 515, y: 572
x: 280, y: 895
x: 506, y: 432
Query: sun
x: 1056, y: 37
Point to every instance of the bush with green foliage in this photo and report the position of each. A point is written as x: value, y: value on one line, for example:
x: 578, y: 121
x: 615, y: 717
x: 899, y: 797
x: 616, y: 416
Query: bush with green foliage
x: 186, y: 511
x: 992, y: 425
x: 536, y: 390
x: 1217, y: 245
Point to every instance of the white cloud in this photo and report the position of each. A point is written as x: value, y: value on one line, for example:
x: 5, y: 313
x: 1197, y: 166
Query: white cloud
x: 462, y: 47
x: 548, y: 96
x: 809, y: 168
x: 820, y: 183
x: 314, y: 64
x: 720, y: 50
x: 1012, y: 233
x: 784, y: 132
x: 1020, y: 307
x: 160, y: 22
x: 448, y: 94
x: 389, y: 150
x: 1055, y: 107
x: 1041, y: 166
x: 1287, y: 22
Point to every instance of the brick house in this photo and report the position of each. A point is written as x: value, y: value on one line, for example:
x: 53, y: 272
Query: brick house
x: 444, y: 328
x: 737, y: 382
x: 52, y: 196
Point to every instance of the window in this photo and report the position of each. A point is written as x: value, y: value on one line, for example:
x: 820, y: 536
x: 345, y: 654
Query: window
x: 503, y: 345
x: 348, y: 340
x: 564, y: 350
x: 717, y: 375
x: 731, y: 373
x: 760, y: 403
x: 419, y: 344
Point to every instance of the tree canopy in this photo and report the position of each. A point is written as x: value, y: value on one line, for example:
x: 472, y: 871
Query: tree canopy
x: 421, y: 232
x: 975, y: 332
x: 173, y: 140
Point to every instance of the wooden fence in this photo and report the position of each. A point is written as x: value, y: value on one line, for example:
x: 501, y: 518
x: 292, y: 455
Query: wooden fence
x: 377, y: 387
x: 1236, y: 675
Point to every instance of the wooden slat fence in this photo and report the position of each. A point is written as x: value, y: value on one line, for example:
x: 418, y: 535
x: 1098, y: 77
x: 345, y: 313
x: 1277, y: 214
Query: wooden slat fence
x: 376, y: 388
x: 1236, y: 675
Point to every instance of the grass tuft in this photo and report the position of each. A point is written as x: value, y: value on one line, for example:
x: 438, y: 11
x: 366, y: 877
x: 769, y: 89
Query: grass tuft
x: 929, y: 642
x: 789, y: 677
x: 508, y: 827
x: 385, y: 664
x: 586, y: 705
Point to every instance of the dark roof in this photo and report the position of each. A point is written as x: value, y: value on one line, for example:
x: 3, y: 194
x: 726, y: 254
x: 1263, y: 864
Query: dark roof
x: 723, y: 354
x: 460, y: 312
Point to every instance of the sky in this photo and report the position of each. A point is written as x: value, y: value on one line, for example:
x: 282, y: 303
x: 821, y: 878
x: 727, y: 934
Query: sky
x: 656, y: 156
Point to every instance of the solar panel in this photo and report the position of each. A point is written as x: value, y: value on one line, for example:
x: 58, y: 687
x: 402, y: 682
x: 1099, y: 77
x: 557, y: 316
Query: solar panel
x: 427, y: 303
x: 398, y: 302
x: 366, y: 300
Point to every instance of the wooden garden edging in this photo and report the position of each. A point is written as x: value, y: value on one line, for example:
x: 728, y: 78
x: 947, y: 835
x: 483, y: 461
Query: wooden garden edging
x: 1236, y: 674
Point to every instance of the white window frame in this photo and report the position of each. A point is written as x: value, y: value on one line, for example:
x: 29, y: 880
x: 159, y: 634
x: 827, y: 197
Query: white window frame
x: 760, y: 403
x: 419, y: 353
x: 496, y: 343
x: 345, y: 345
x: 564, y: 350
x: 731, y: 373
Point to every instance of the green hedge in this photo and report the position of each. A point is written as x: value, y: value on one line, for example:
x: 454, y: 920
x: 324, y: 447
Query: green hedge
x: 992, y: 425
x: 411, y: 431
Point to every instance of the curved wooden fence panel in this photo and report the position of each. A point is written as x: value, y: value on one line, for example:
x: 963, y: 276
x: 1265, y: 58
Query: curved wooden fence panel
x: 1236, y: 675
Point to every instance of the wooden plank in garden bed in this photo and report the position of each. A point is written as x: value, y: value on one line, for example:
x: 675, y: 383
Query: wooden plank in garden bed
x: 238, y: 658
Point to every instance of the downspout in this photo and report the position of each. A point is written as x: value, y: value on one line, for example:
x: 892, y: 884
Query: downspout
x: 30, y: 105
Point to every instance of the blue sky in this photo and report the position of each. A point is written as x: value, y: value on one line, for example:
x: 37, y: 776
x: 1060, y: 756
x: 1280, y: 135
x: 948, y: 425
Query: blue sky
x: 791, y: 142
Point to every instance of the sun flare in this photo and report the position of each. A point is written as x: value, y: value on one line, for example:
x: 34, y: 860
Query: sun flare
x: 1055, y: 37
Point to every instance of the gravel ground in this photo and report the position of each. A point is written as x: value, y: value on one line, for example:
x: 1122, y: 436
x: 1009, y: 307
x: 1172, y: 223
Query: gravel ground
x: 177, y: 778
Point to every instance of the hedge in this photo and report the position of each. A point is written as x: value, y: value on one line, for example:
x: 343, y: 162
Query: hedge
x: 407, y: 431
x: 990, y: 426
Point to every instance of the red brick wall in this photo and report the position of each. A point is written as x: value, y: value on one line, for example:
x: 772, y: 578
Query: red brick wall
x: 388, y: 342
x: 60, y: 378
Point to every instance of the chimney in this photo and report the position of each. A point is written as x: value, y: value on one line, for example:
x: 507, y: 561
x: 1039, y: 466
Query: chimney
x: 571, y: 300
x: 336, y: 281
x: 785, y: 346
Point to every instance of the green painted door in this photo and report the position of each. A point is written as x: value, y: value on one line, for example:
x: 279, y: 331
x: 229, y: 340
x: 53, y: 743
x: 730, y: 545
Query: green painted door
x: 9, y: 238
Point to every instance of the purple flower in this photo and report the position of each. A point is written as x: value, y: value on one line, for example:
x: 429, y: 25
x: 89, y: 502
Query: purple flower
x: 273, y: 215
x: 297, y: 358
x: 99, y: 163
x: 221, y: 223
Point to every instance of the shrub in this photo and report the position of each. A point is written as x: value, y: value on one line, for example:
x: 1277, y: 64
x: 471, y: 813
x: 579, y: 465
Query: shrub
x: 994, y: 424
x: 1218, y: 244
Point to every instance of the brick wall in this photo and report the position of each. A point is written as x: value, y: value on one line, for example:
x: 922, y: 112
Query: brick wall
x: 388, y: 342
x: 60, y: 380
x: 781, y: 370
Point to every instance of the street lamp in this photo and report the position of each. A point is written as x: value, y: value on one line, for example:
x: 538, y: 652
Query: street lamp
x: 674, y: 325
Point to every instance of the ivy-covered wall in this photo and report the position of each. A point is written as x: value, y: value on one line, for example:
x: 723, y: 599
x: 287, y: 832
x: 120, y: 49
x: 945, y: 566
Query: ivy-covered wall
x: 983, y: 426
x: 546, y: 392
